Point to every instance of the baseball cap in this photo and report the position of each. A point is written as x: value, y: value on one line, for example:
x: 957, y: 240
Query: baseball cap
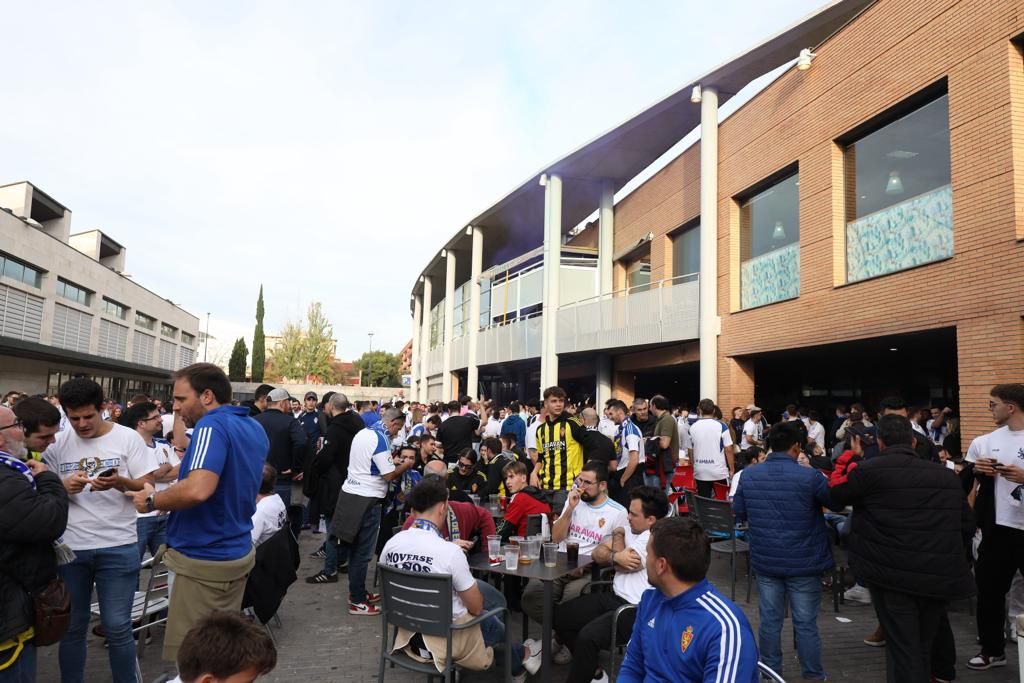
x: 753, y: 409
x: 311, y: 394
x: 278, y: 395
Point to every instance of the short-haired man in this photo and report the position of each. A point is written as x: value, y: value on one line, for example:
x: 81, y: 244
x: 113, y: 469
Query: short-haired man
x: 209, y: 546
x: 662, y: 462
x: 225, y: 646
x: 712, y: 450
x: 685, y: 630
x: 493, y: 460
x: 259, y: 401
x: 458, y: 432
x: 584, y: 624
x: 596, y: 446
x: 789, y: 547
x: 99, y: 461
x: 514, y: 423
x: 999, y: 469
x: 907, y: 544
x: 752, y: 435
x: 357, y: 513
x: 559, y: 447
x: 40, y: 421
x: 466, y: 524
x: 627, y: 470
x: 287, y: 452
x: 422, y: 548
x: 33, y: 515
x: 588, y: 518
x: 144, y: 418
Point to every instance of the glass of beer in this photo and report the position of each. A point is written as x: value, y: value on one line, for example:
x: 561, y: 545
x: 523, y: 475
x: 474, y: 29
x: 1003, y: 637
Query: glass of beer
x: 572, y: 552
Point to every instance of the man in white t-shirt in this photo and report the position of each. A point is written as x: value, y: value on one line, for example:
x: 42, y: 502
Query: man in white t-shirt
x: 99, y: 461
x: 628, y: 467
x: 712, y: 450
x: 584, y: 624
x: 271, y: 512
x: 144, y: 417
x: 999, y: 468
x: 588, y: 518
x: 753, y: 430
x: 422, y: 549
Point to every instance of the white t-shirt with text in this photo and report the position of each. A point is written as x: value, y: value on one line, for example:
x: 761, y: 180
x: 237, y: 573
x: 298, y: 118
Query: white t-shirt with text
x: 592, y: 524
x: 710, y: 439
x: 369, y: 458
x: 268, y: 519
x: 752, y: 430
x: 423, y: 551
x: 165, y: 455
x: 100, y: 519
x: 1007, y: 447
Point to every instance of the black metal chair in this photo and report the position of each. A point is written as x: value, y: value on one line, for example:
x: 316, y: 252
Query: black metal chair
x: 718, y: 521
x: 769, y: 674
x: 422, y: 603
x: 605, y: 583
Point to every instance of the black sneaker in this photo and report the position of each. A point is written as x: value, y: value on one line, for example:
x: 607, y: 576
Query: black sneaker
x: 319, y: 554
x: 321, y: 577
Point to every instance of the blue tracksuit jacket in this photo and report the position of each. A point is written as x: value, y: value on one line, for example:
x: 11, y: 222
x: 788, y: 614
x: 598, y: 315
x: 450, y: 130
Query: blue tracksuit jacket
x: 699, y: 635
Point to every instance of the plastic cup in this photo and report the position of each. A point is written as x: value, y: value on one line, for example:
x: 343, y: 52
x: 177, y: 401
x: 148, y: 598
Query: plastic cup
x: 494, y: 549
x: 493, y: 499
x: 535, y: 544
x: 572, y: 552
x: 550, y: 554
x: 474, y: 498
x: 511, y: 557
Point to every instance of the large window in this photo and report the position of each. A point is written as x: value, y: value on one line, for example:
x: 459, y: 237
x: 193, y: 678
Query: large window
x: 115, y: 309
x: 73, y: 292
x: 899, y: 200
x: 146, y: 321
x: 437, y: 324
x: 20, y: 271
x: 686, y: 251
x: 770, y: 243
x: 188, y: 339
x: 460, y: 310
x: 168, y: 330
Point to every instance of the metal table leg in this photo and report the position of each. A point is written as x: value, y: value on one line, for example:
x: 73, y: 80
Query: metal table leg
x: 545, y: 633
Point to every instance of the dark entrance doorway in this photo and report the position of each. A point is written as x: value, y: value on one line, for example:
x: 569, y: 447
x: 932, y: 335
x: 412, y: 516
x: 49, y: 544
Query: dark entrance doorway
x: 680, y: 384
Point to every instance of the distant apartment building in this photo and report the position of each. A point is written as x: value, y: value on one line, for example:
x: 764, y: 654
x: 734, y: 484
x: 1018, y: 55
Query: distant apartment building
x: 68, y: 310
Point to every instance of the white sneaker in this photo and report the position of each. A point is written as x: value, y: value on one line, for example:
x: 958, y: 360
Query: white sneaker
x: 858, y: 594
x: 562, y: 656
x: 533, y: 662
x: 521, y: 678
x: 603, y: 678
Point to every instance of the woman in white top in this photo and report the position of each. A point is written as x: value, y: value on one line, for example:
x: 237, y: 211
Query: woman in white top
x: 270, y: 512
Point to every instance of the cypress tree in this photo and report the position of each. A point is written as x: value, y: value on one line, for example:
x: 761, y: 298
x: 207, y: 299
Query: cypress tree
x: 259, y: 343
x: 236, y: 365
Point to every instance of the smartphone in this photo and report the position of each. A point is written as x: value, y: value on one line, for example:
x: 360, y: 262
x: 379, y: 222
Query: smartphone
x: 107, y: 473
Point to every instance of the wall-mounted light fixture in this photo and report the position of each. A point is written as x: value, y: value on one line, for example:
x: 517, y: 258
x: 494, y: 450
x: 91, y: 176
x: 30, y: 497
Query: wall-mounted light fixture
x: 803, y: 62
x: 695, y: 95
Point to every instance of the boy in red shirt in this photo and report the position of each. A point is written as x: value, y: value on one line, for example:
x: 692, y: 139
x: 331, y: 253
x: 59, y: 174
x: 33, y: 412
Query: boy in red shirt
x: 525, y: 501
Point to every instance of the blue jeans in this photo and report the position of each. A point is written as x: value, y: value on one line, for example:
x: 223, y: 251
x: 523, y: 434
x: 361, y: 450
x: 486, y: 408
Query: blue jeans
x: 493, y: 628
x: 115, y: 571
x: 23, y: 670
x: 152, y: 534
x: 283, y: 488
x: 357, y: 553
x: 804, y: 594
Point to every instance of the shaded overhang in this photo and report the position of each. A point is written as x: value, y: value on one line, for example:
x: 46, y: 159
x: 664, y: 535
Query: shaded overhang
x: 620, y: 154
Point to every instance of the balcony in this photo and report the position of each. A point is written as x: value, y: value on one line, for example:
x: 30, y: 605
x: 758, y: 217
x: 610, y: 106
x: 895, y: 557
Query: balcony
x: 663, y: 311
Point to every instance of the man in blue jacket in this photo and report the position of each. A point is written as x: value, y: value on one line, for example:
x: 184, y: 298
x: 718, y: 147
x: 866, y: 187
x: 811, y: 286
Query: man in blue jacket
x: 685, y: 630
x: 789, y: 547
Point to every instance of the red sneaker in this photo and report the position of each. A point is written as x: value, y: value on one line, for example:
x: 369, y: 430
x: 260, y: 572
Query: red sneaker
x: 363, y: 609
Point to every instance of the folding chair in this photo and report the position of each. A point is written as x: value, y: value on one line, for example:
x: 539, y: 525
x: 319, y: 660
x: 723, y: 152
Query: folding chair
x: 718, y: 521
x: 682, y: 481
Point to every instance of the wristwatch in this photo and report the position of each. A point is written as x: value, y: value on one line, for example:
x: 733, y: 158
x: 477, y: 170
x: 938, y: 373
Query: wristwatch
x: 150, y: 506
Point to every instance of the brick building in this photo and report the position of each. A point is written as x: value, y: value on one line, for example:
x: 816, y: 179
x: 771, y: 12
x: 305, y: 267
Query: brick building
x: 859, y: 231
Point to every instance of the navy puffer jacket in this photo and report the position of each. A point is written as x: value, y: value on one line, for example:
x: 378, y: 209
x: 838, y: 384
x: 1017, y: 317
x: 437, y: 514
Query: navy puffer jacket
x: 782, y: 502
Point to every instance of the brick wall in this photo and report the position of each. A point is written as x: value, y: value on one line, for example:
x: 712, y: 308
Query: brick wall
x: 895, y: 49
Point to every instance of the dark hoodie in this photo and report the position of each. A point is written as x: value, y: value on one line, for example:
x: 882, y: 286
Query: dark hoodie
x: 529, y: 501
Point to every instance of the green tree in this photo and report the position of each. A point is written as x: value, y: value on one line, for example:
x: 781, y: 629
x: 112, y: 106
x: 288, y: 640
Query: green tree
x: 318, y: 345
x: 379, y: 369
x: 286, y: 358
x: 259, y: 342
x: 236, y: 366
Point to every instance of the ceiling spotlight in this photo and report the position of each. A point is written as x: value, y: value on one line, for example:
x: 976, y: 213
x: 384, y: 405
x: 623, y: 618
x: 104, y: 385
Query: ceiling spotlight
x: 803, y: 62
x: 893, y: 348
x: 895, y: 184
x: 779, y: 233
x: 695, y: 94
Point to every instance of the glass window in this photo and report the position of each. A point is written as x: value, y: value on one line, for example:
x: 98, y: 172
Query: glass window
x: 638, y: 271
x: 168, y: 330
x: 459, y: 307
x: 115, y: 309
x: 686, y: 251
x: 73, y: 292
x: 485, y: 303
x: 143, y: 320
x: 187, y: 338
x: 22, y: 272
x: 770, y: 219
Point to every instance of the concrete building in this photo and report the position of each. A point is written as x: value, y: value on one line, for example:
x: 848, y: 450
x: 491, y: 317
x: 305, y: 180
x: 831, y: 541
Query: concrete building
x: 67, y: 309
x: 854, y: 230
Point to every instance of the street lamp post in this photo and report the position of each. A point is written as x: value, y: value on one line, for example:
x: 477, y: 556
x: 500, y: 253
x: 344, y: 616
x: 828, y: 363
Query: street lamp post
x: 371, y: 341
x: 370, y: 353
x: 207, y: 344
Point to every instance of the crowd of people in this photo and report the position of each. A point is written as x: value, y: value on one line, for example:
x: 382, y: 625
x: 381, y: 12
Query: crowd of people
x: 89, y: 488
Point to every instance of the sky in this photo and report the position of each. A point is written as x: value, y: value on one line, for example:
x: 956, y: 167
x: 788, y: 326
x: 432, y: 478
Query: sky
x: 326, y: 150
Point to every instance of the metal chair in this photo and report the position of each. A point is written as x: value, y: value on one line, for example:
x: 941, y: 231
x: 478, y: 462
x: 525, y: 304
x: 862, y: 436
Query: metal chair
x: 422, y: 603
x: 718, y: 521
x: 768, y: 674
x: 605, y: 582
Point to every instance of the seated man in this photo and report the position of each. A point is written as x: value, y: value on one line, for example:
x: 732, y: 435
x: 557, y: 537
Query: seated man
x: 525, y: 501
x: 465, y: 524
x: 225, y: 646
x: 588, y: 524
x: 422, y: 549
x: 584, y: 624
x: 270, y: 512
x: 686, y: 630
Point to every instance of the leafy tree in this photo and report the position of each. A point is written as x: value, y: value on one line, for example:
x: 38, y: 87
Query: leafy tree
x: 259, y: 342
x: 286, y: 359
x: 379, y: 369
x: 318, y: 345
x: 236, y: 366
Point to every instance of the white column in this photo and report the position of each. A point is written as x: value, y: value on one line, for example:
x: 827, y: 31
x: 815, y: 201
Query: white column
x: 710, y: 323
x: 604, y: 380
x: 428, y: 293
x: 606, y: 238
x: 473, y: 324
x: 417, y: 334
x: 449, y: 329
x: 552, y: 265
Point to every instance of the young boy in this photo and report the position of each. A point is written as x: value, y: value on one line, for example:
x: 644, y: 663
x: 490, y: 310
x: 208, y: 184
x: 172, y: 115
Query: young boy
x: 225, y: 647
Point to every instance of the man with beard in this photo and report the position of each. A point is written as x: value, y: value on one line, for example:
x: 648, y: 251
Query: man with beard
x: 209, y: 546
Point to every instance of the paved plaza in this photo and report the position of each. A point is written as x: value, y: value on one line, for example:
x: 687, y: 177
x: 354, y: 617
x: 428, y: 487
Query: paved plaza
x: 319, y: 642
